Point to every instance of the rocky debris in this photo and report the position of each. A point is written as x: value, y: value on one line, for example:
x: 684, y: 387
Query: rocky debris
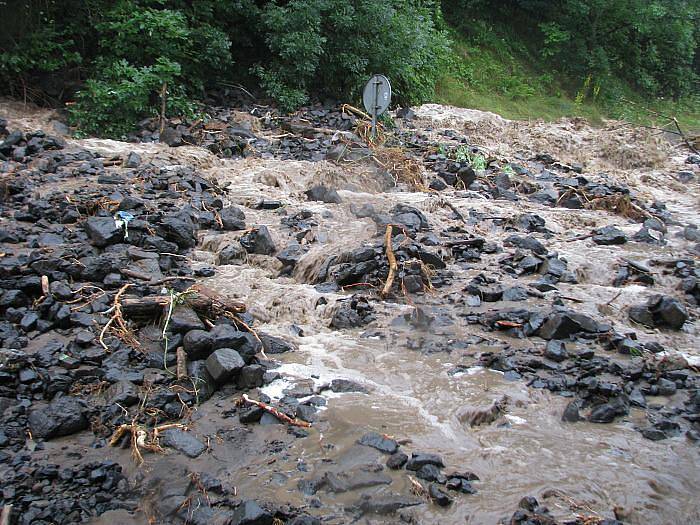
x: 561, y: 325
x: 353, y: 312
x: 609, y: 235
x: 477, y: 415
x: 183, y: 442
x: 661, y: 311
x: 383, y: 503
x: 438, y: 495
x: 224, y: 364
x: 250, y: 513
x: 62, y: 370
x: 63, y: 416
x: 323, y: 194
x: 51, y: 341
x: 50, y: 493
x: 232, y: 218
x: 258, y: 241
x: 419, y: 459
x: 103, y: 231
x: 380, y: 442
x: 397, y: 460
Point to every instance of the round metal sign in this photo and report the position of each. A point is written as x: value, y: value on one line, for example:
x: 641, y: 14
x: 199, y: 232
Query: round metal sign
x: 377, y: 95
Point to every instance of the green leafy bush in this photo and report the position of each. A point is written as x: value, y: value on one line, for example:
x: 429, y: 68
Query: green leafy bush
x: 112, y: 105
x: 333, y: 46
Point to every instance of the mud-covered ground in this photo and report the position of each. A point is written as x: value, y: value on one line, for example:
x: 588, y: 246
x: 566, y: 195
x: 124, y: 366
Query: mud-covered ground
x: 534, y: 361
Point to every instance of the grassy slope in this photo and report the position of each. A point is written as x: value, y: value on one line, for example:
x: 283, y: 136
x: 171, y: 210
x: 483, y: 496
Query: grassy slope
x: 495, y: 74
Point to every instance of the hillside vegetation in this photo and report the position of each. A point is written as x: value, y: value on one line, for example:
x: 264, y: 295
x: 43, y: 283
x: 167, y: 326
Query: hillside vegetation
x: 116, y: 62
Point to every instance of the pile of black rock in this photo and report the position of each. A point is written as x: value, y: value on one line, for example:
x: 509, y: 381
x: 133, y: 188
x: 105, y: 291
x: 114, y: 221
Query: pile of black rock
x: 92, y: 258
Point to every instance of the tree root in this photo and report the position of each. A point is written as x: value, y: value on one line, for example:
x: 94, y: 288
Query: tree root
x: 141, y: 439
x: 122, y: 331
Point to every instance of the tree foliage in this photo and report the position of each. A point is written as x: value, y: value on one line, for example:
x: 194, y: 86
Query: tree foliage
x: 651, y: 45
x: 114, y: 57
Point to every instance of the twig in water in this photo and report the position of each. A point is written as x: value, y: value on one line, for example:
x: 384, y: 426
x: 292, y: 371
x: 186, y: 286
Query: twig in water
x: 392, y: 261
x: 279, y: 415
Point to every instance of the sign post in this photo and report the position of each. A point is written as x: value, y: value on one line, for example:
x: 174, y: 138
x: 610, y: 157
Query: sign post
x: 376, y: 98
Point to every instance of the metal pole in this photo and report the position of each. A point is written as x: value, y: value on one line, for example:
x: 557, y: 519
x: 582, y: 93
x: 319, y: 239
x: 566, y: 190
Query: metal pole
x: 375, y: 107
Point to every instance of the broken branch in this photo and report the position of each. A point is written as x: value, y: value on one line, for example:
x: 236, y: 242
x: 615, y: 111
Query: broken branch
x: 392, y: 261
x: 278, y: 414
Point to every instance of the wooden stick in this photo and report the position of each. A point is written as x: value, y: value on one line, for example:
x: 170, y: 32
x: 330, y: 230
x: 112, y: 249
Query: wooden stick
x: 5, y: 515
x: 392, y: 261
x: 181, y: 369
x: 163, y: 93
x: 279, y: 415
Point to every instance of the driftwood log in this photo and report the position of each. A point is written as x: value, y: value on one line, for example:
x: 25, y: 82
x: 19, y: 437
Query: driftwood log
x: 202, y: 300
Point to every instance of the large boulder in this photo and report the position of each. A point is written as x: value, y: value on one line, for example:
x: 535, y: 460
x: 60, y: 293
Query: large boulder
x: 62, y: 417
x: 103, y: 231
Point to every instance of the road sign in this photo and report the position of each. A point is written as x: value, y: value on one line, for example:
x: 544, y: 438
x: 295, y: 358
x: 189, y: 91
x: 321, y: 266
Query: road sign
x: 376, y: 97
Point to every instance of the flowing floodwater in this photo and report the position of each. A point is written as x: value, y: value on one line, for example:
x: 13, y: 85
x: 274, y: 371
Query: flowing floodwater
x: 424, y: 398
x: 419, y: 393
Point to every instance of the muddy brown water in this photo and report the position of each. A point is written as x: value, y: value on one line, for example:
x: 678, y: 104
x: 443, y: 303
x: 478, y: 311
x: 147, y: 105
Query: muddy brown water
x: 415, y: 396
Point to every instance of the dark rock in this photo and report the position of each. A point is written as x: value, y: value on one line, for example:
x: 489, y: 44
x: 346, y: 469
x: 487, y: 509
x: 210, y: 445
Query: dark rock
x: 607, y: 412
x: 250, y: 513
x: 654, y: 434
x: 198, y: 344
x: 133, y: 160
x: 384, y: 503
x: 346, y: 385
x: 259, y: 241
x: 466, y: 176
x: 223, y: 364
x: 397, y: 460
x: 206, y: 386
x: 179, y: 230
x: 561, y: 325
x: 437, y: 185
x: 103, y: 231
x: 184, y: 319
x: 172, y: 137
x: 380, y: 442
x: 526, y: 243
x: 439, y: 496
x: 275, y: 345
x: 251, y: 376
x: 233, y: 253
x: 418, y: 459
x: 571, y: 414
x: 232, y: 218
x: 529, y: 503
x: 62, y: 417
x: 405, y: 113
x: 609, y: 235
x: 515, y: 293
x: 251, y: 414
x: 291, y: 254
x: 660, y: 310
x: 641, y: 314
x: 556, y: 351
x: 183, y: 442
x: 431, y: 473
x: 666, y: 387
x: 123, y: 392
x: 531, y: 223
x: 460, y: 484
x: 323, y: 194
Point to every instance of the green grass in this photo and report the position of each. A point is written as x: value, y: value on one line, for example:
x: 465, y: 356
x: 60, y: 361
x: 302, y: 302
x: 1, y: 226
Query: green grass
x: 492, y: 73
